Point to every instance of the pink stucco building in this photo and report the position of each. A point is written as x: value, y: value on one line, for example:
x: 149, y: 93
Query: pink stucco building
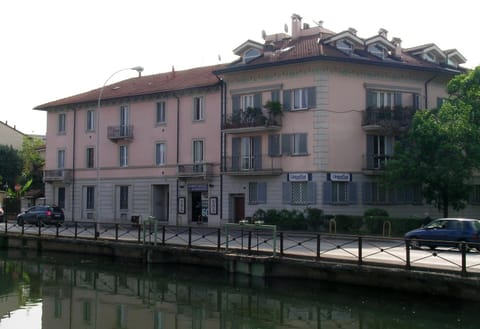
x: 202, y: 145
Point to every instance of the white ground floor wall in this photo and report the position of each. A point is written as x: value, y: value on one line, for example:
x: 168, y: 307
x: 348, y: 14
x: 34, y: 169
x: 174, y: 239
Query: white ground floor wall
x: 217, y: 200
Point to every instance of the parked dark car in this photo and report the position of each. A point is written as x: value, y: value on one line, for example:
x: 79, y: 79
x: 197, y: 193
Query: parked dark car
x: 446, y: 232
x: 40, y: 215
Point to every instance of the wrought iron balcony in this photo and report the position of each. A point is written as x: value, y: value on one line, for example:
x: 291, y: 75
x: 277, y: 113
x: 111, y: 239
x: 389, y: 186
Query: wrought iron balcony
x: 251, y: 121
x: 252, y: 165
x: 394, y: 119
x: 115, y: 133
x: 375, y: 162
x: 58, y: 175
x: 195, y: 170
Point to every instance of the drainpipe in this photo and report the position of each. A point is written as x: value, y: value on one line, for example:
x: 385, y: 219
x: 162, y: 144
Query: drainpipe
x: 223, y: 103
x: 178, y: 154
x: 73, y: 159
x: 426, y: 89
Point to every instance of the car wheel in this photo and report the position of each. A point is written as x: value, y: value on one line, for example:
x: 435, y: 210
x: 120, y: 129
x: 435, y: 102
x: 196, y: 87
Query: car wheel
x: 459, y: 246
x: 414, y: 244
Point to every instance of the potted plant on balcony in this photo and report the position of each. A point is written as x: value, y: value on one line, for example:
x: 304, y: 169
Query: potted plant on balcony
x: 274, y: 109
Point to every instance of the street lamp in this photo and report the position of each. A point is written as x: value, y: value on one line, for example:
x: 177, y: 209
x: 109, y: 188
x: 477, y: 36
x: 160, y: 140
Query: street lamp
x: 139, y: 69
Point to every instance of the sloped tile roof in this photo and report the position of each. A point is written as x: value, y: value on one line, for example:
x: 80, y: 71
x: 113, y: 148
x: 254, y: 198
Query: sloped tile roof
x: 308, y: 48
x: 145, y: 85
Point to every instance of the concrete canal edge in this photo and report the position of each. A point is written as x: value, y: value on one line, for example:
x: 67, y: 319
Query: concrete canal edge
x: 416, y: 281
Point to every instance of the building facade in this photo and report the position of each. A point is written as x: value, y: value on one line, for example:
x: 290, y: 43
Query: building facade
x: 152, y: 151
x: 301, y: 120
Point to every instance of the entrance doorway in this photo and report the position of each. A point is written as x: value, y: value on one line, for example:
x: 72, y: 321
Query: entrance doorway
x: 238, y: 208
x: 196, y: 207
x: 160, y: 197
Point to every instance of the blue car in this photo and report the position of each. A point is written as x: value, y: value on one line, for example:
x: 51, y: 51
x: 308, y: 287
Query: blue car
x: 446, y: 232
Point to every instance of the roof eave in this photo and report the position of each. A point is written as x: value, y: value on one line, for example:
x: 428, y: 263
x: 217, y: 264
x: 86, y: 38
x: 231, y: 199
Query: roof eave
x: 336, y: 59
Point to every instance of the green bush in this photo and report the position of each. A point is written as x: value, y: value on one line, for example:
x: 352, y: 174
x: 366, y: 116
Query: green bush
x: 375, y: 212
x: 348, y: 224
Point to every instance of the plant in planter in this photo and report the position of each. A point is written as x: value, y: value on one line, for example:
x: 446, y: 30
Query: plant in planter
x: 274, y: 109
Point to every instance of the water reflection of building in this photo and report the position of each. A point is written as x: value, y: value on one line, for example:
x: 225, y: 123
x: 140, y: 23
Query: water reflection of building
x: 86, y: 299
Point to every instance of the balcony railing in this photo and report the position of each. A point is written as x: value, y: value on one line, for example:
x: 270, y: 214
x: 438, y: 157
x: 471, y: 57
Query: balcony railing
x: 195, y: 170
x: 251, y: 121
x: 253, y: 165
x: 120, y: 132
x: 388, y: 117
x: 375, y: 161
x: 58, y: 175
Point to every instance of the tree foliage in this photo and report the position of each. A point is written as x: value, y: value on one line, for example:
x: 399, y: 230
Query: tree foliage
x: 33, y: 162
x: 10, y: 165
x: 441, y: 151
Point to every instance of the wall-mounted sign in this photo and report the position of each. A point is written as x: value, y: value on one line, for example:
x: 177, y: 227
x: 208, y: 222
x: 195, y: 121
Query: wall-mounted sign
x: 339, y: 177
x: 198, y: 187
x: 299, y: 177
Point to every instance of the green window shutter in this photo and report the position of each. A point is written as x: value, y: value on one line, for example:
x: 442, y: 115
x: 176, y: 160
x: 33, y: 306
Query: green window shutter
x: 311, y: 192
x: 236, y: 153
x: 262, y: 192
x: 327, y: 192
x: 286, y: 144
x: 352, y: 193
x: 370, y: 148
x: 371, y: 99
x: 367, y: 193
x: 397, y: 101
x: 274, y: 145
x: 286, y: 193
x: 312, y: 97
x: 303, y: 144
x: 287, y: 100
x: 235, y: 104
x: 257, y: 101
x: 275, y: 96
x: 257, y: 152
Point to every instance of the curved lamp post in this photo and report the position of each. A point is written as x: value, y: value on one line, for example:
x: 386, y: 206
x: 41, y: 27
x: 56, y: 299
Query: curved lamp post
x: 139, y: 69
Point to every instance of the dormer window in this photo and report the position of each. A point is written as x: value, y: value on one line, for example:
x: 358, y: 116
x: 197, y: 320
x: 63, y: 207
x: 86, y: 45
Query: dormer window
x: 345, y: 46
x: 378, y: 50
x: 250, y: 55
x: 430, y: 57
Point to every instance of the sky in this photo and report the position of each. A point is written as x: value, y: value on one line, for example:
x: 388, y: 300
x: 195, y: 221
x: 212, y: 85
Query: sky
x: 52, y: 49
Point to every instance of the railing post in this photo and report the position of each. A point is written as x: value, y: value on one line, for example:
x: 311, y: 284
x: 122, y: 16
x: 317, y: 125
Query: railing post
x: 281, y: 243
x: 219, y: 238
x: 318, y: 246
x: 163, y: 234
x: 23, y: 228
x: 139, y: 228
x: 464, y: 258
x: 360, y: 243
x: 96, y: 230
x: 189, y: 237
x: 116, y: 231
x: 249, y: 242
x: 76, y: 229
x: 39, y: 228
x: 407, y: 256
x: 56, y: 230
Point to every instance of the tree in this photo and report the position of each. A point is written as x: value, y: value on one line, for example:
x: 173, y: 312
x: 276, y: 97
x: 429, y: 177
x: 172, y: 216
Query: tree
x: 441, y: 151
x: 33, y: 163
x: 10, y: 165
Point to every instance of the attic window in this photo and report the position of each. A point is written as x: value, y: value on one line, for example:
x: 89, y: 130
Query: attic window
x: 345, y: 46
x: 378, y: 50
x: 430, y: 57
x: 250, y: 55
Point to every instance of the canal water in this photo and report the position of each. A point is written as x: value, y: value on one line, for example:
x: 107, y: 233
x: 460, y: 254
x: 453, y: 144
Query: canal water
x: 55, y: 291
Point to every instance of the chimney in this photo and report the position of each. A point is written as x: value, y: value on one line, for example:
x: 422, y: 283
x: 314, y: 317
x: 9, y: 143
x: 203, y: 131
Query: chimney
x: 296, y: 26
x: 352, y: 30
x: 382, y: 32
x: 397, y: 42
